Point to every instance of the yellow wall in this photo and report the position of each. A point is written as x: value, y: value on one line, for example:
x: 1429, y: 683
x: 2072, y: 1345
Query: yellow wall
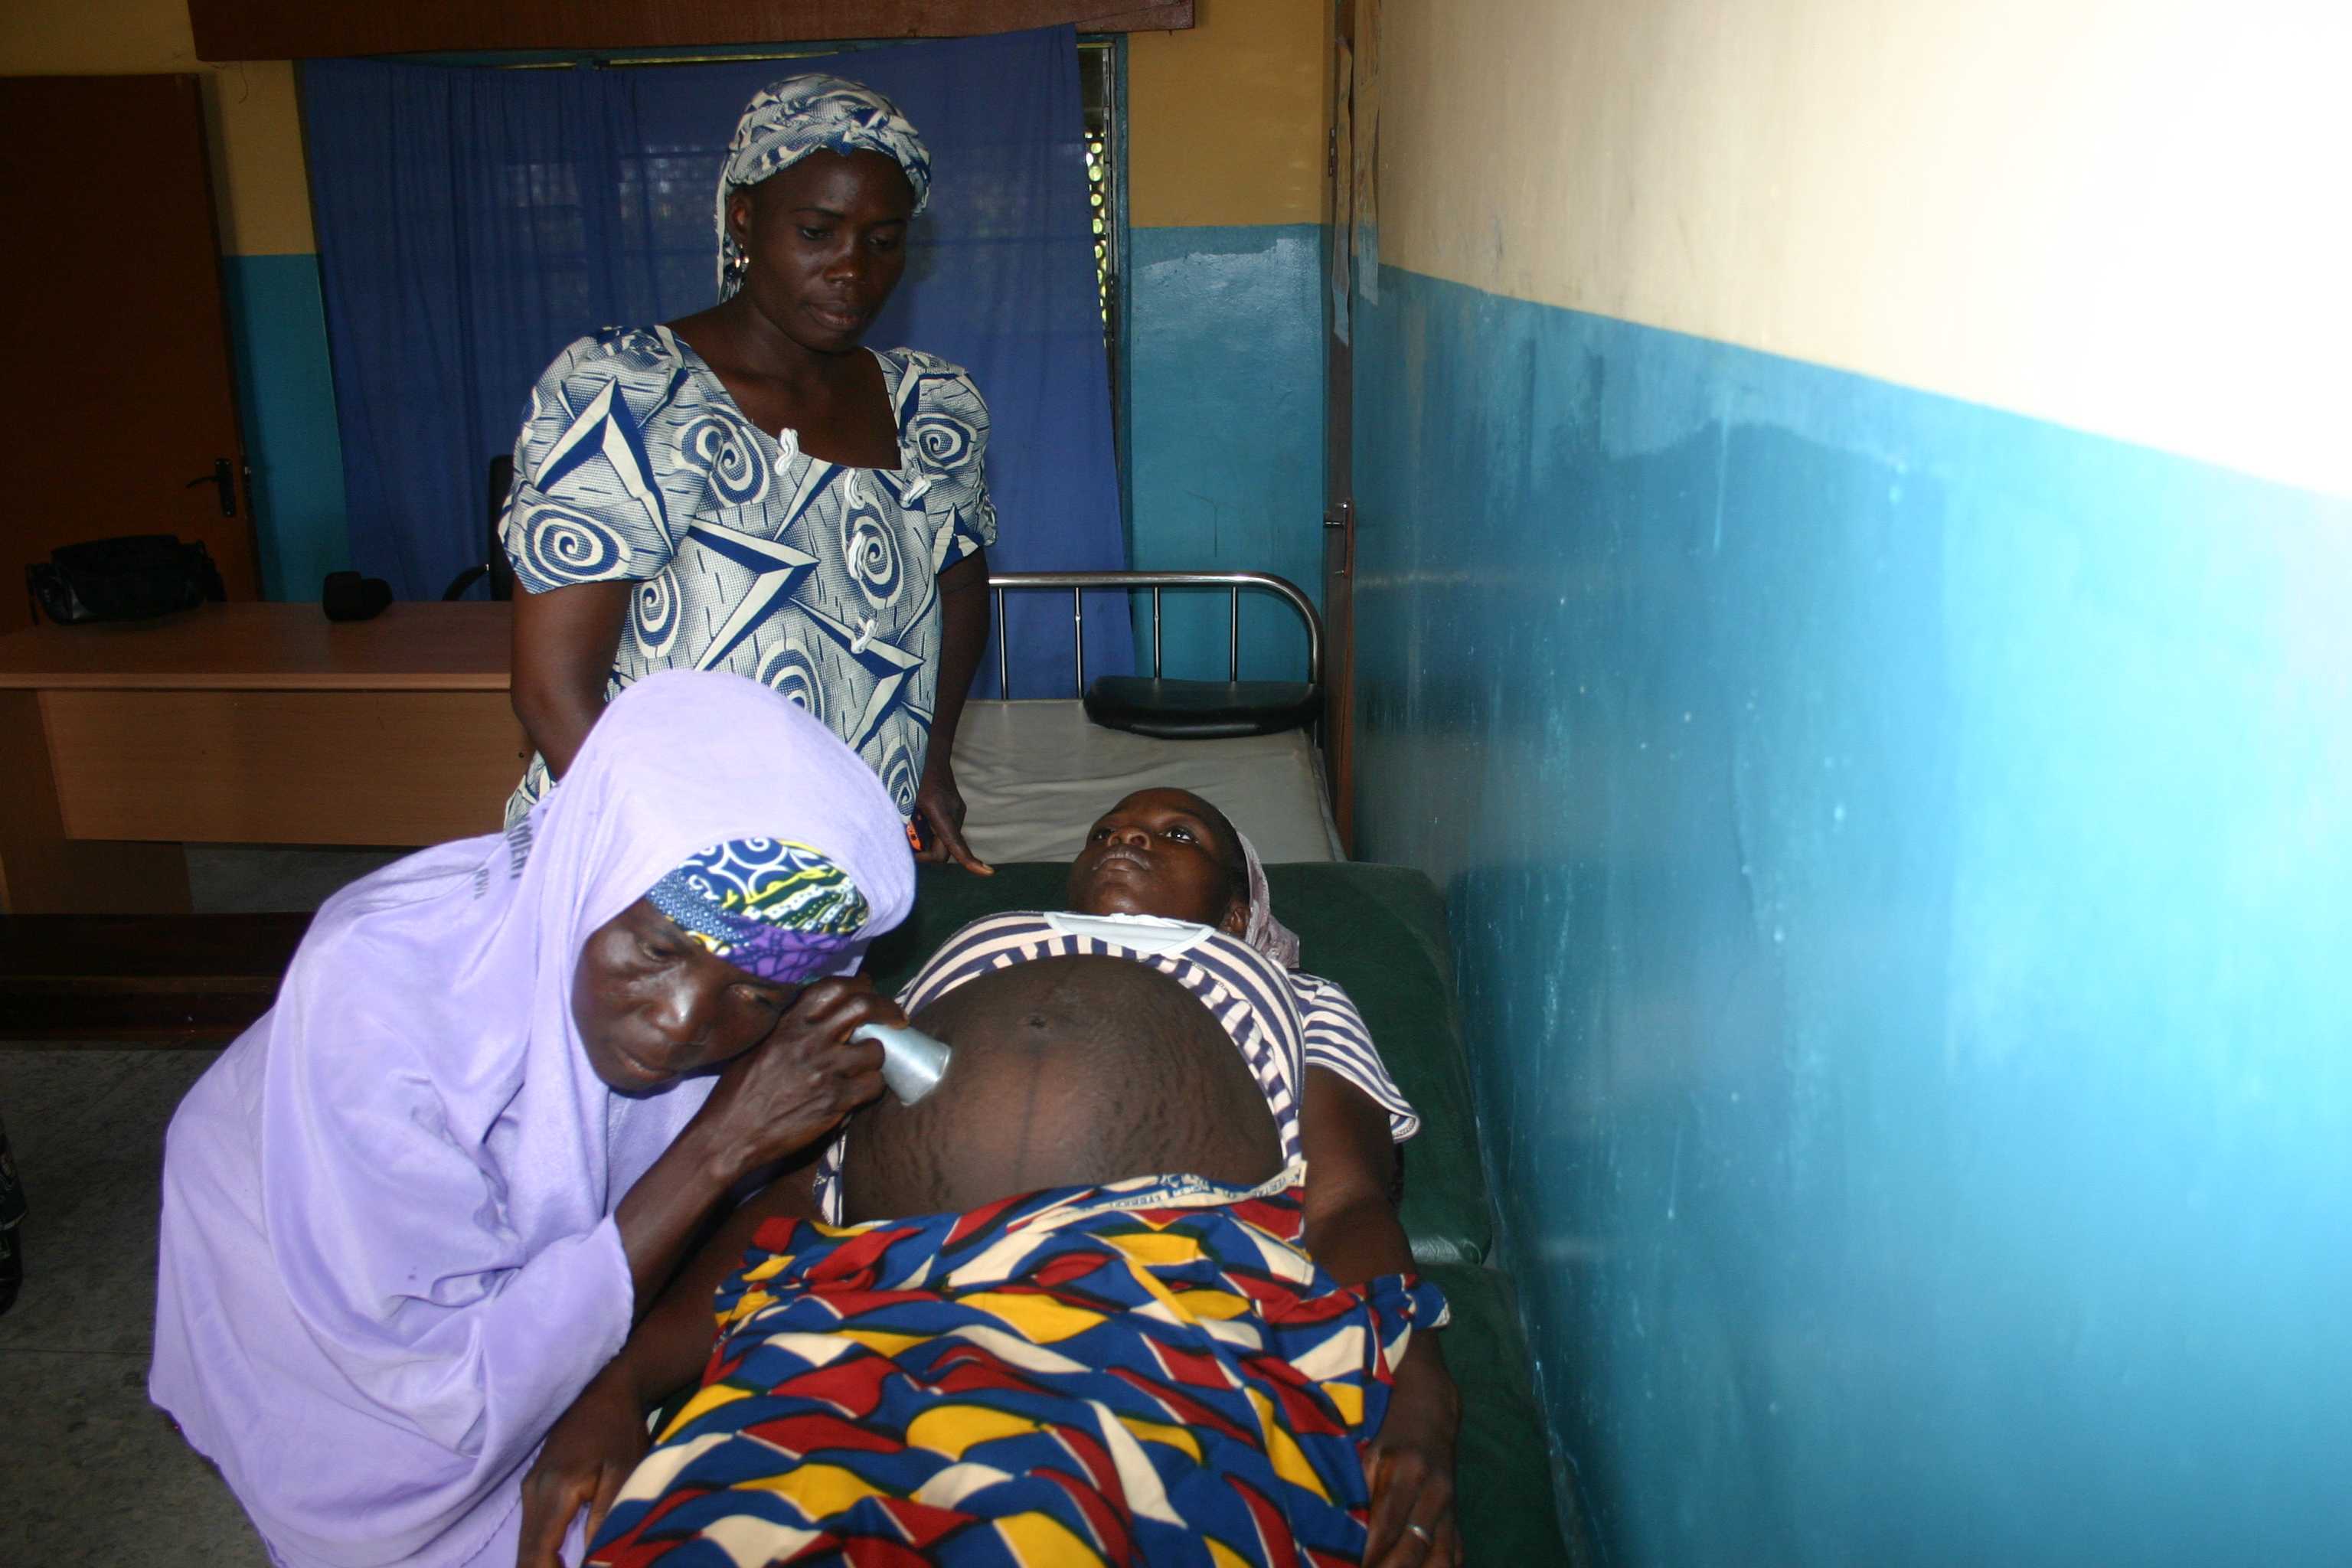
x: 2125, y: 216
x: 1226, y: 121
x: 256, y: 136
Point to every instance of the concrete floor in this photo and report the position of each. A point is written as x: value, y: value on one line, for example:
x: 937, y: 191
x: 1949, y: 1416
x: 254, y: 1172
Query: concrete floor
x: 90, y: 1472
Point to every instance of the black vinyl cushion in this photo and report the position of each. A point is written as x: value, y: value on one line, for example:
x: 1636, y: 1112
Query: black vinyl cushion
x: 1200, y: 710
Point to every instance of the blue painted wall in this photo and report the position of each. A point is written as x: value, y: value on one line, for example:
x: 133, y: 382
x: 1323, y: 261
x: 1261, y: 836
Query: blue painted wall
x: 1901, y: 858
x: 1225, y: 426
x: 286, y: 397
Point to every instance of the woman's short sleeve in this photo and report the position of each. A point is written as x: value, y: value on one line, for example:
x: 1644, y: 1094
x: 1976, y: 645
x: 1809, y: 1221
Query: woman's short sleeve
x: 948, y: 435
x: 1338, y: 1041
x: 587, y: 504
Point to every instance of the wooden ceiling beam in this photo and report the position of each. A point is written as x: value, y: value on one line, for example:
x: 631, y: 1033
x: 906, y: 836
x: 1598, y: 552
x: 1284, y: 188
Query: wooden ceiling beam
x: 308, y: 29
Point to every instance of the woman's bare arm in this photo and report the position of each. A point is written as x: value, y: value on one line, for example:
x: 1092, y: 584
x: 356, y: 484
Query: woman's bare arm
x: 1353, y: 1232
x: 669, y: 1346
x: 593, y: 1448
x: 564, y: 640
x: 963, y: 637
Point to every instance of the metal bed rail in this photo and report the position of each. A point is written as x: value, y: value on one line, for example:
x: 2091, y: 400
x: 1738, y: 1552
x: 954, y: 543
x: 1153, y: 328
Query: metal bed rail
x: 1076, y: 583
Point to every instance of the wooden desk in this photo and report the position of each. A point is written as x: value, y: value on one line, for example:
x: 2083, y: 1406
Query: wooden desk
x: 242, y: 724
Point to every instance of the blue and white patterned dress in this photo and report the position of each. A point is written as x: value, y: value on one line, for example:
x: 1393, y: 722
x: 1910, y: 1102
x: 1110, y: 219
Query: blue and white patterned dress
x: 821, y: 581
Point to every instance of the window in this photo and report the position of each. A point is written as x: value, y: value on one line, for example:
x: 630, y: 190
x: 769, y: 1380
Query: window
x: 1106, y: 162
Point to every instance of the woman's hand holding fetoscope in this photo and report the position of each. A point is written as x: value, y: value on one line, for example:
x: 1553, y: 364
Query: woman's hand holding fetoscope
x: 797, y: 1085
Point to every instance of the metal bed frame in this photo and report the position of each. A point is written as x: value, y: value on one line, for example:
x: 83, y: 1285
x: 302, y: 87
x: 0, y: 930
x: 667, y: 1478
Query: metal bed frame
x: 1234, y: 582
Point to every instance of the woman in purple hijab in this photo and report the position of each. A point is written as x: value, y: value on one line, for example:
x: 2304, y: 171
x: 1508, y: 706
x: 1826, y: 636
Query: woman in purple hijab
x: 414, y: 1209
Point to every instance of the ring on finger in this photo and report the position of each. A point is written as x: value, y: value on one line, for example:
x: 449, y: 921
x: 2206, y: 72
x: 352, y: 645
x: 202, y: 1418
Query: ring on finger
x: 1412, y: 1529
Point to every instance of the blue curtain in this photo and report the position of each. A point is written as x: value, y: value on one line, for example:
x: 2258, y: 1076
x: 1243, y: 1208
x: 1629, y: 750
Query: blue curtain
x: 471, y: 221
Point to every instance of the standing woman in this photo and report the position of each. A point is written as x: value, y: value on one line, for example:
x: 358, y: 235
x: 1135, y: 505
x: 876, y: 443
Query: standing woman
x: 749, y: 489
x: 413, y: 1210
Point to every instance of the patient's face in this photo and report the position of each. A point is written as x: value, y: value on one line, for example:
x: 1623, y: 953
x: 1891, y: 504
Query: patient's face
x: 1164, y: 852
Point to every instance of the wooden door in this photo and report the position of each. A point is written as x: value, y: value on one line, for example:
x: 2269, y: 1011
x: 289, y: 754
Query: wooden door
x: 121, y: 408
x: 1338, y: 457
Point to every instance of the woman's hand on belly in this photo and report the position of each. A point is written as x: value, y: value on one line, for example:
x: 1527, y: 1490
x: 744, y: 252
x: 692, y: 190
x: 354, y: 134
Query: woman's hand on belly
x: 796, y: 1086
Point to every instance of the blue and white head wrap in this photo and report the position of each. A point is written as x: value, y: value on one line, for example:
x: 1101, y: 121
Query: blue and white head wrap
x: 771, y: 908
x: 787, y: 121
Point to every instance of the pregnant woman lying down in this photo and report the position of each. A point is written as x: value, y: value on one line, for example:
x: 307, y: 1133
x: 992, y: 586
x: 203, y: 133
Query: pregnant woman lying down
x: 1100, y: 1340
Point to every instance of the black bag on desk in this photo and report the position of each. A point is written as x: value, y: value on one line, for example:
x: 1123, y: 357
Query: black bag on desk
x: 125, y: 579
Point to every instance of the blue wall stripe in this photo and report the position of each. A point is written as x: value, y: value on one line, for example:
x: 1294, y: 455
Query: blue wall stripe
x: 286, y: 396
x: 1902, y: 865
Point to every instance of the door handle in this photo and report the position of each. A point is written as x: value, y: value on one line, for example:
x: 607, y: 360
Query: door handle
x: 1340, y: 518
x: 224, y: 476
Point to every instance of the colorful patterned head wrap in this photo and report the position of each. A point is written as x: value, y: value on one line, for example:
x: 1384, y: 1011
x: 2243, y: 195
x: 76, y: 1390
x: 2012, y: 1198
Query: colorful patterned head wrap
x: 775, y: 909
x: 787, y: 121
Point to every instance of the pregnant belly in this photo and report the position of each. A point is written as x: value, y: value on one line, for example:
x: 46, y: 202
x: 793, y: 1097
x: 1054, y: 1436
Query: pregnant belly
x: 1068, y: 1071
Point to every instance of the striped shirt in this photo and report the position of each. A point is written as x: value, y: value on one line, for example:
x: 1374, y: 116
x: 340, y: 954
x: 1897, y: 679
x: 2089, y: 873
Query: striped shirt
x: 1283, y: 1022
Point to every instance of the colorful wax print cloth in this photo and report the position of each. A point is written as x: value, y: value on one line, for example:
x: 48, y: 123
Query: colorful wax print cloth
x: 781, y: 910
x: 635, y: 465
x: 1151, y: 1372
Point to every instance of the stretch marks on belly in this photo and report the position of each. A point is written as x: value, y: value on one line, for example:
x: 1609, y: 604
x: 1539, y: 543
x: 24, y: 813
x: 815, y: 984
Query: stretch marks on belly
x: 1067, y: 1072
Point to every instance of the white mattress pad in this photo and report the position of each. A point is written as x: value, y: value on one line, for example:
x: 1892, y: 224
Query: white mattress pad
x: 1035, y: 774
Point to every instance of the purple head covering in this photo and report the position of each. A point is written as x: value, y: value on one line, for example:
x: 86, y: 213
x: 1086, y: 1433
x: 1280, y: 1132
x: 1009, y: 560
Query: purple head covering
x: 1264, y: 932
x: 387, y: 1215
